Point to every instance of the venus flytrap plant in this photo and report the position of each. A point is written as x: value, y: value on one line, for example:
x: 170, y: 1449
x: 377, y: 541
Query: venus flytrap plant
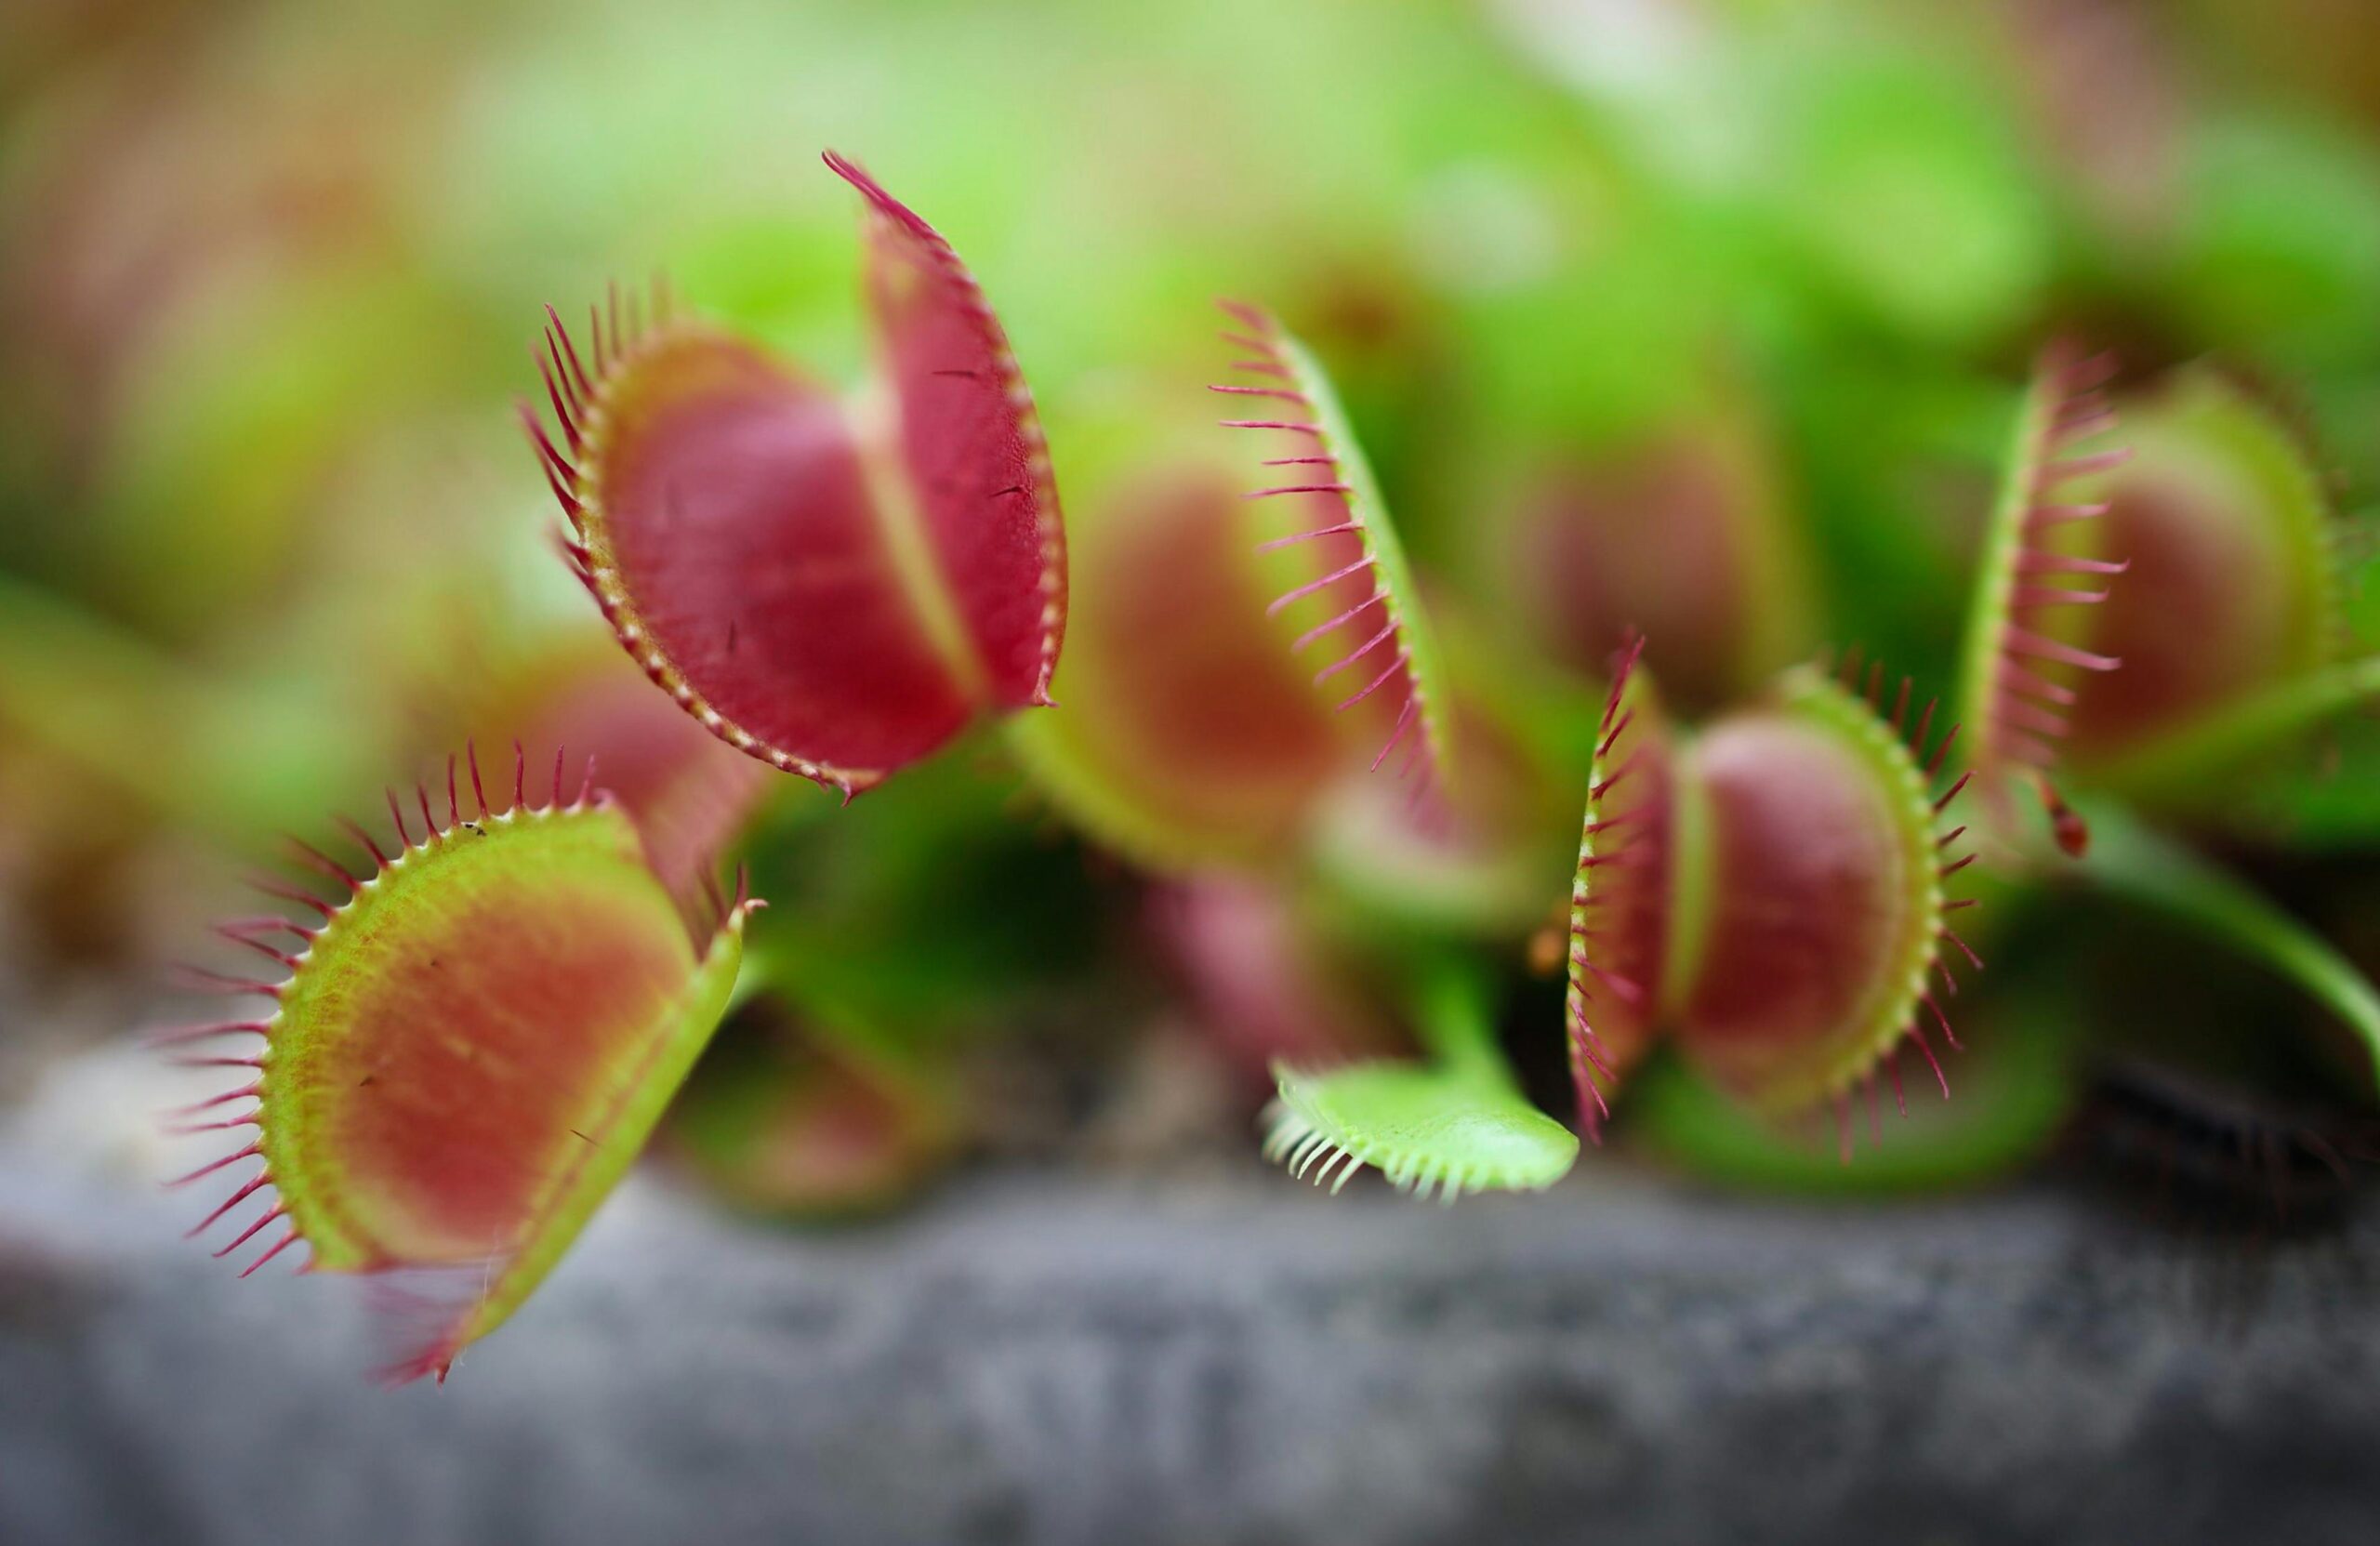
x: 1307, y: 776
x: 2202, y: 567
x: 477, y: 1036
x: 836, y: 587
x: 1458, y: 1123
x: 471, y: 1046
x: 2208, y: 558
x: 1772, y: 889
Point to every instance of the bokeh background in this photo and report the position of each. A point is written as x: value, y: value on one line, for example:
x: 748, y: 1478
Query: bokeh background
x: 269, y: 535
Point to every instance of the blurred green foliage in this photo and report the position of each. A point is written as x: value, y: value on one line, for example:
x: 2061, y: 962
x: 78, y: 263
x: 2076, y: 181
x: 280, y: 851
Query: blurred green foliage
x: 271, y: 268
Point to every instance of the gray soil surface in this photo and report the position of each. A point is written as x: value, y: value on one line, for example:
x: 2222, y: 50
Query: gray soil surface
x: 1034, y: 1357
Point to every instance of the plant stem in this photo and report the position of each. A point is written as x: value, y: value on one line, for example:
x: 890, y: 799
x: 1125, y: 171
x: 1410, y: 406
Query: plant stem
x: 1454, y: 1012
x: 2145, y: 867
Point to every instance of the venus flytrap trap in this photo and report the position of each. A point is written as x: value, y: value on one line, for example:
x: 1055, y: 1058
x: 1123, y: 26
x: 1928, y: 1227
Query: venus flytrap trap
x: 2231, y: 622
x: 1191, y: 742
x: 1771, y: 892
x: 1457, y: 1123
x: 1618, y: 924
x: 2203, y: 557
x: 1347, y: 543
x: 1683, y: 534
x: 470, y: 1048
x: 2019, y: 666
x: 1829, y: 852
x: 834, y: 586
x: 1444, y: 840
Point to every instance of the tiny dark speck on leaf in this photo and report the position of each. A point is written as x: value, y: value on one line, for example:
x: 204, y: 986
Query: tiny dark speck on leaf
x: 968, y: 375
x: 580, y: 1136
x: 730, y: 638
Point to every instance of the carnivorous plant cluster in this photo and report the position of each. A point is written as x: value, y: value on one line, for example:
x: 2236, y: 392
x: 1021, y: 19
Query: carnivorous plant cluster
x: 1585, y: 815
